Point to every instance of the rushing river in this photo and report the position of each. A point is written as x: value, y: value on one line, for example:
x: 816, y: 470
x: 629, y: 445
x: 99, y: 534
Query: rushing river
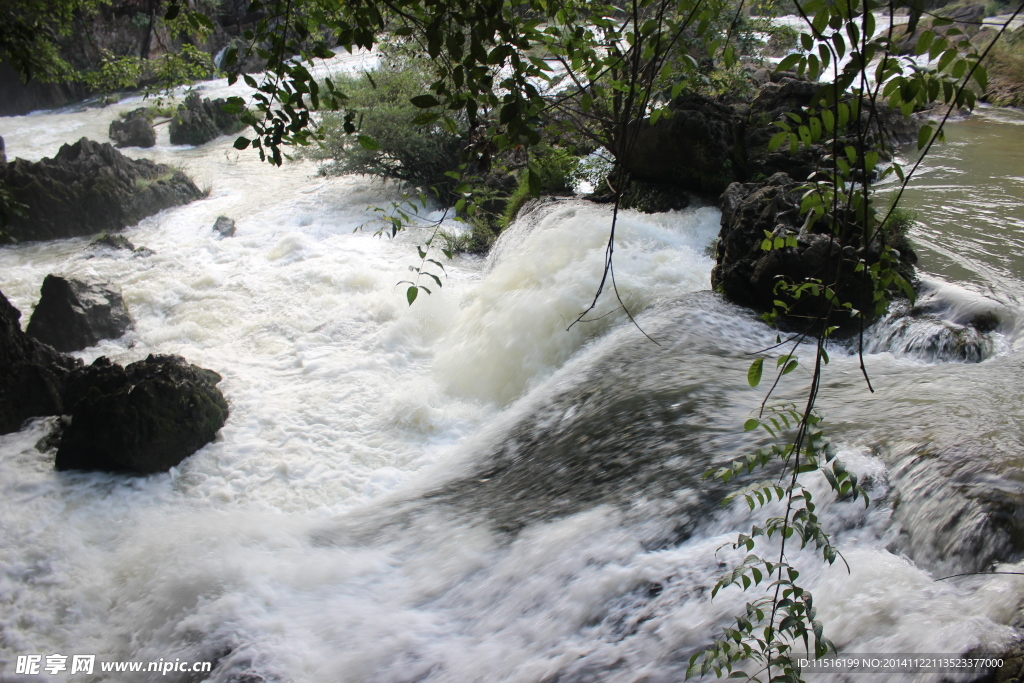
x: 463, y: 490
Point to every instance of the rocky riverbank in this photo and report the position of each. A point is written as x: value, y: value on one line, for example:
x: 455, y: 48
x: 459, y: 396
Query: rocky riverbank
x: 87, y: 188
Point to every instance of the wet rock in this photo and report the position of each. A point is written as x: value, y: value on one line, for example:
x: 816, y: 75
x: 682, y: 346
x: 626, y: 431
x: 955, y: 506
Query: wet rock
x: 695, y: 149
x: 113, y: 242
x: 200, y: 120
x: 107, y: 242
x: 1012, y: 670
x: 73, y: 315
x: 920, y: 333
x: 32, y: 374
x: 144, y: 418
x: 134, y: 130
x: 3, y: 152
x: 88, y: 188
x: 224, y: 227
x: 705, y: 145
x: 748, y: 274
x: 654, y: 197
x: 959, y: 506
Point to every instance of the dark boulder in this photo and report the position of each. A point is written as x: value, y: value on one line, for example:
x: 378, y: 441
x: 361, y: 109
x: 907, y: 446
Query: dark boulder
x: 654, y: 197
x: 32, y: 374
x: 88, y: 188
x: 145, y: 418
x: 73, y: 315
x: 200, y: 120
x: 106, y: 240
x: 224, y: 227
x: 748, y: 274
x: 705, y: 145
x: 3, y: 153
x: 694, y: 149
x: 134, y: 130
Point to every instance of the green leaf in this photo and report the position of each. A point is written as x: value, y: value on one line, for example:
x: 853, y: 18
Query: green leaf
x: 425, y: 118
x: 367, y: 142
x: 754, y: 373
x: 242, y: 143
x: 923, y: 136
x: 750, y: 424
x: 411, y: 293
x: 424, y: 101
x: 777, y: 140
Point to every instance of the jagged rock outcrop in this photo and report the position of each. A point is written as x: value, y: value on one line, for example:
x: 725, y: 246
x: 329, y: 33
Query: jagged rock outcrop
x: 144, y: 418
x: 89, y: 187
x: 73, y: 315
x: 134, y: 130
x: 748, y: 274
x: 200, y: 120
x: 32, y: 374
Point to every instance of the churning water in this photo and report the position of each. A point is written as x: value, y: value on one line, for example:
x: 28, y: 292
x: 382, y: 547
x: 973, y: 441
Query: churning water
x: 463, y: 490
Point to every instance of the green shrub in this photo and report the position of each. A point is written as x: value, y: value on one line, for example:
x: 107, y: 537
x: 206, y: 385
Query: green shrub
x: 558, y: 170
x: 896, y: 228
x: 418, y: 155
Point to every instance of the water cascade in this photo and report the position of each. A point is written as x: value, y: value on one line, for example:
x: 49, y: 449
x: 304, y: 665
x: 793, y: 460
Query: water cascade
x: 465, y: 489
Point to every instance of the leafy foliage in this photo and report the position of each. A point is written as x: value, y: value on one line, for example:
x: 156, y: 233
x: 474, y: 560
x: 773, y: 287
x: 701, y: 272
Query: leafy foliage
x: 389, y: 145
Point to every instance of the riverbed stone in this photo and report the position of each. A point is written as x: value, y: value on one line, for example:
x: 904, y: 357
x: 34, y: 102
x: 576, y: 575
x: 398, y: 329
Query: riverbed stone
x: 223, y: 227
x: 134, y: 130
x: 32, y: 374
x: 73, y: 315
x: 198, y: 121
x: 89, y: 187
x: 143, y: 418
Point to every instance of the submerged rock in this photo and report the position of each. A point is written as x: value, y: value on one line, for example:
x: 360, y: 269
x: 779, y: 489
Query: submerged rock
x: 32, y: 374
x: 107, y: 242
x: 113, y: 242
x: 959, y: 508
x: 90, y: 187
x: 224, y: 227
x: 200, y: 120
x: 145, y: 418
x: 134, y: 130
x: 73, y: 315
